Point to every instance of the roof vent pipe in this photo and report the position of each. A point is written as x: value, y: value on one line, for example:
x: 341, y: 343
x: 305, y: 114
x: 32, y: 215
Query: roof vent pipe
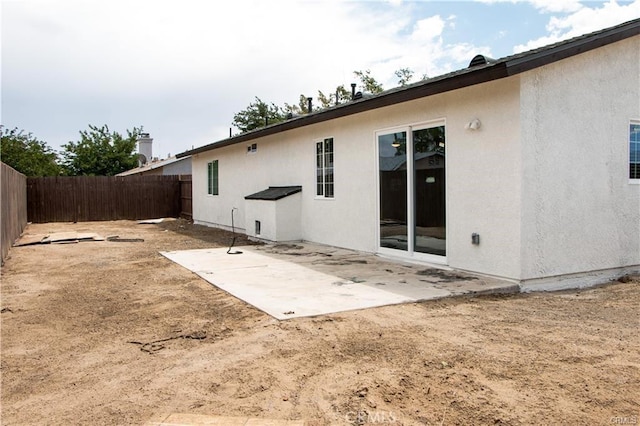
x: 353, y: 91
x: 337, y: 97
x: 310, y: 104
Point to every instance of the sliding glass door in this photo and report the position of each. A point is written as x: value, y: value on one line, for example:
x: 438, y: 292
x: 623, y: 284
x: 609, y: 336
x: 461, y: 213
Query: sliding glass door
x: 412, y: 186
x: 392, y: 152
x: 429, y: 191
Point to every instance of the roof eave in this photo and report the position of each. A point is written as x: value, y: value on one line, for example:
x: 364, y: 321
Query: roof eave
x: 432, y: 87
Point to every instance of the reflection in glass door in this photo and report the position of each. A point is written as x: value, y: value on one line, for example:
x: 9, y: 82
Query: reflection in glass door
x: 429, y: 225
x: 412, y: 190
x: 392, y: 152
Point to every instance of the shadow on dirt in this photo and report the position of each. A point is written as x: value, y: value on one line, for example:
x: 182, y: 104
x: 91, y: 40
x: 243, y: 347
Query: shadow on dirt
x: 216, y: 236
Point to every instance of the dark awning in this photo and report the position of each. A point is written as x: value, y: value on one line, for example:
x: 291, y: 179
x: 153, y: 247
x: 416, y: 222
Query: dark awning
x: 274, y: 193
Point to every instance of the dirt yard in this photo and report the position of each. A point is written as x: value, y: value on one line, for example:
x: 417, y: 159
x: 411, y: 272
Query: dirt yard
x: 113, y: 333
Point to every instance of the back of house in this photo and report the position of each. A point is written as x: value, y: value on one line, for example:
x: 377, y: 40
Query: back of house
x: 524, y: 168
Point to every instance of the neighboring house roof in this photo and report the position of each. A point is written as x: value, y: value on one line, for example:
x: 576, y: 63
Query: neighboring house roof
x: 390, y: 164
x: 487, y: 71
x: 274, y: 193
x: 154, y: 165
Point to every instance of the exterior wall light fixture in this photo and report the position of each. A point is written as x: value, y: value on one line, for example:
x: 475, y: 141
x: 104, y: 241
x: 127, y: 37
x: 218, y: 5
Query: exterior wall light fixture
x: 473, y: 124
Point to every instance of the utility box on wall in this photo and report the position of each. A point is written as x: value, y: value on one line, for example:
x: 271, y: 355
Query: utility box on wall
x: 274, y: 214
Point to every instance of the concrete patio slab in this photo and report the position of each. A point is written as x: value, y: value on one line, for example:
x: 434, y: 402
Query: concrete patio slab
x: 298, y: 280
x: 281, y: 288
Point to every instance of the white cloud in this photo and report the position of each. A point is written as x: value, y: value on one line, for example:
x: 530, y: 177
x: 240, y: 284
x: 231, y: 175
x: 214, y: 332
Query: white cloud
x: 557, y: 6
x: 552, y: 6
x: 182, y: 69
x: 585, y: 20
x: 451, y: 21
x: 465, y: 52
x: 498, y: 1
x: 426, y: 30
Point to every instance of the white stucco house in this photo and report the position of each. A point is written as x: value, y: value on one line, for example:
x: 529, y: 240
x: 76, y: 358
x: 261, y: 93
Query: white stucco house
x: 525, y: 168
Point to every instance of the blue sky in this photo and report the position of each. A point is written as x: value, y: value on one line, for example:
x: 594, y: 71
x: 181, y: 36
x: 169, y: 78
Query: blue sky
x: 183, y: 68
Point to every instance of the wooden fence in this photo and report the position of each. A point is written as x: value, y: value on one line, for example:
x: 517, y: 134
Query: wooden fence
x: 186, y: 198
x: 89, y: 198
x: 14, y: 206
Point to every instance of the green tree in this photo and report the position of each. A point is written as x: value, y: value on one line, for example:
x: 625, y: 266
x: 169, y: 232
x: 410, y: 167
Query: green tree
x: 426, y: 140
x: 342, y: 94
x: 369, y: 84
x: 404, y: 76
x: 100, y: 152
x: 325, y: 101
x: 256, y: 115
x: 259, y: 113
x: 301, y: 108
x: 26, y: 154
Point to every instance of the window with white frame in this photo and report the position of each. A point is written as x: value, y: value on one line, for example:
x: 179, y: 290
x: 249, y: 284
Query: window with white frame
x: 634, y: 150
x: 212, y: 178
x: 324, y: 168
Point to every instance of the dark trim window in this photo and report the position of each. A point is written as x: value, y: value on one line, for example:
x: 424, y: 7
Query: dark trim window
x: 324, y: 168
x: 212, y: 178
x: 634, y: 150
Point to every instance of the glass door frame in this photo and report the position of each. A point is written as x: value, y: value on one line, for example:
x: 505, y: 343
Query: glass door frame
x: 410, y: 253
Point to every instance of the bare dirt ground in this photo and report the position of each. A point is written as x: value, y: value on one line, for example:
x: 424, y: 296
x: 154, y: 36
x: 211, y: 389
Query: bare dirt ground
x: 114, y: 333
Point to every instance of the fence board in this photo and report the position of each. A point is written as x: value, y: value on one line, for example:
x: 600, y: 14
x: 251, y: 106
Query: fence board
x: 13, y: 207
x: 186, y: 198
x: 89, y: 198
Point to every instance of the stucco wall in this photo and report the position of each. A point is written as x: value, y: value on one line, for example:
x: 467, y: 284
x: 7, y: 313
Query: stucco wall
x: 579, y: 211
x: 181, y: 167
x: 483, y: 185
x: 279, y: 161
x: 483, y: 188
x: 280, y: 220
x: 543, y: 181
x: 288, y: 218
x: 265, y: 212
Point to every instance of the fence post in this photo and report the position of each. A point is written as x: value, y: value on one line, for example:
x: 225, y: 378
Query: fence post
x: 13, y: 205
